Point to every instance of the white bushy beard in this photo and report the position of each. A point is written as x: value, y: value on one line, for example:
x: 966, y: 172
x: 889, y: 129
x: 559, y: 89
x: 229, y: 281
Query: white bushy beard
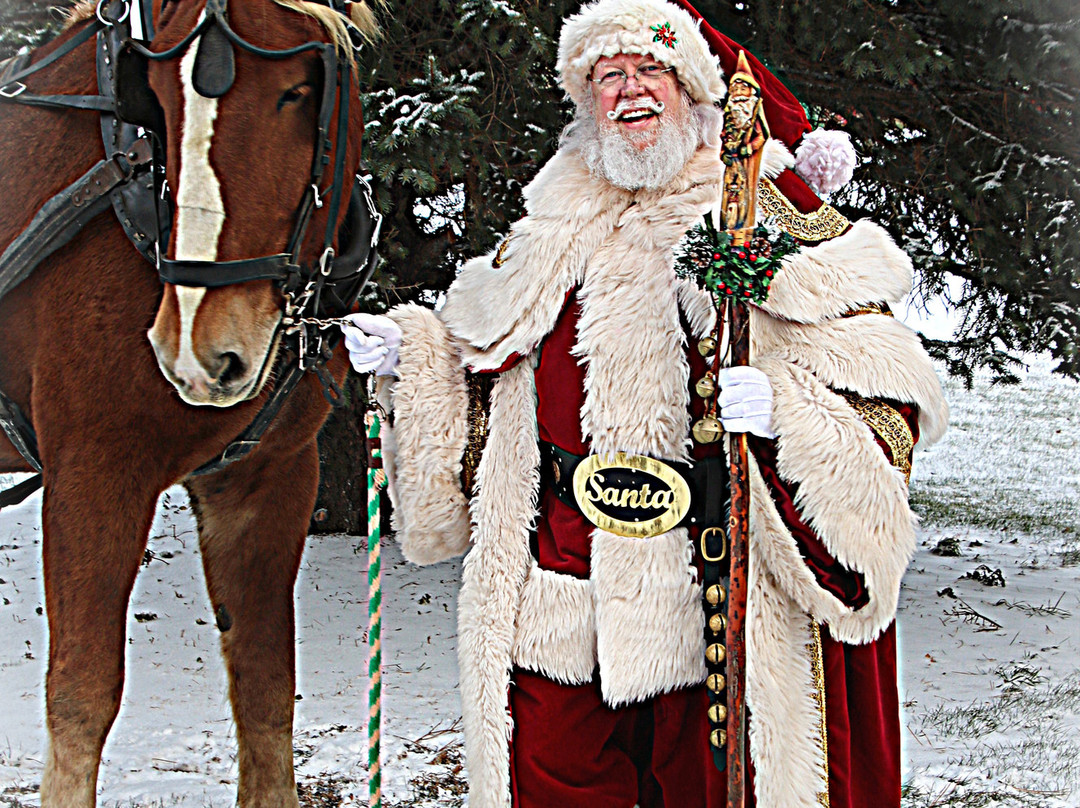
x: 612, y: 154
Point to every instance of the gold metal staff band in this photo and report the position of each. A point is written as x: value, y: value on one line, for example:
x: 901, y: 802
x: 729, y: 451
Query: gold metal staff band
x: 822, y: 224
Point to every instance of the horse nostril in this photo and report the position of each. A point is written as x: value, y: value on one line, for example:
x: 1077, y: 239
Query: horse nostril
x: 230, y: 367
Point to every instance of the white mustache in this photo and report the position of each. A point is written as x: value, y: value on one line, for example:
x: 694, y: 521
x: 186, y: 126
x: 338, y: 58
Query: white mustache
x: 627, y: 105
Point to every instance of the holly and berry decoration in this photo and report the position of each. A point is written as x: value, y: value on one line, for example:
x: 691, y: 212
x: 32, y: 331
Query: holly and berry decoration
x: 741, y: 272
x: 665, y: 34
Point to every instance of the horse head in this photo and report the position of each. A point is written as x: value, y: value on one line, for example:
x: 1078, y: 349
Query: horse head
x: 262, y: 144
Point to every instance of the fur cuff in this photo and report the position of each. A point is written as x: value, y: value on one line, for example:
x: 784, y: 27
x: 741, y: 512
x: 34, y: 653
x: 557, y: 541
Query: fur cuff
x: 835, y: 352
x: 849, y: 493
x: 430, y: 416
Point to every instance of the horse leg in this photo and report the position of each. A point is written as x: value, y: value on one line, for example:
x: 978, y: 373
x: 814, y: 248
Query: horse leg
x: 94, y: 538
x: 253, y: 519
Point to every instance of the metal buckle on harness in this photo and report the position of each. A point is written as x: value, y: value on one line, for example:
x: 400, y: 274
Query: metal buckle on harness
x: 7, y: 92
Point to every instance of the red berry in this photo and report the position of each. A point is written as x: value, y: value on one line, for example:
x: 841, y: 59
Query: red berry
x: 753, y: 257
x: 716, y: 256
x: 742, y: 255
x: 768, y: 273
x: 747, y: 293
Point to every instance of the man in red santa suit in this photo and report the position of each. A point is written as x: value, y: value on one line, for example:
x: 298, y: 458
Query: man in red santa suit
x: 582, y: 650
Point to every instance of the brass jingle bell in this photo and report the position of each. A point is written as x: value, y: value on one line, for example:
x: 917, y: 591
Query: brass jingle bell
x: 718, y: 738
x: 707, y: 430
x: 705, y: 386
x: 717, y: 623
x: 716, y: 682
x: 706, y: 346
x: 717, y: 713
x: 715, y: 594
x: 715, y: 653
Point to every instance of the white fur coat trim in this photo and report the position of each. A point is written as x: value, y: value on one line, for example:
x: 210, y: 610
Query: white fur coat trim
x: 556, y: 627
x: 503, y: 511
x: 430, y: 515
x: 785, y: 735
x: 849, y: 493
x: 860, y: 267
x: 497, y: 312
x: 835, y: 351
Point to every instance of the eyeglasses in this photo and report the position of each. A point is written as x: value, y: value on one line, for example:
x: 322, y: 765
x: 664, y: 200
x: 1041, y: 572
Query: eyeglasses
x: 646, y: 75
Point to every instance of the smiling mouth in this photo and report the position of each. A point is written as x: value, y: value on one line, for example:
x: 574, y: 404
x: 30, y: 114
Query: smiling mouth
x: 635, y: 115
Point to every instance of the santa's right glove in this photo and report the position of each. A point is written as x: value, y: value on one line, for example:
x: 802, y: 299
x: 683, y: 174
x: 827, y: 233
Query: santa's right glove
x: 745, y: 401
x: 372, y: 341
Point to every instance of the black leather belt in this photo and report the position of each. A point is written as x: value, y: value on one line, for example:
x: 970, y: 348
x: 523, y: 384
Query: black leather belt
x: 706, y: 482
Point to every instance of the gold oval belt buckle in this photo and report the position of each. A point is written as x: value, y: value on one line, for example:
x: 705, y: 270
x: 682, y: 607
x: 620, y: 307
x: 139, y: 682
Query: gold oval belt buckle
x: 630, y: 495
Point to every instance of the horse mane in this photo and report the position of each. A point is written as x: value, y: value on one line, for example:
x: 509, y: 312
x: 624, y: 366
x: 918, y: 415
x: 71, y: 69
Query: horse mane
x: 83, y: 10
x: 361, y: 16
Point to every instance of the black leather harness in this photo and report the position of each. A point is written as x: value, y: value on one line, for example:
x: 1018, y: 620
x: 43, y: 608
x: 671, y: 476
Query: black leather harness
x: 131, y: 180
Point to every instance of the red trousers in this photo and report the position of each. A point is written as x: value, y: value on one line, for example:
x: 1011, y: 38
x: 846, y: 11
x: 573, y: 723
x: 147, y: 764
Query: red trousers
x: 570, y: 750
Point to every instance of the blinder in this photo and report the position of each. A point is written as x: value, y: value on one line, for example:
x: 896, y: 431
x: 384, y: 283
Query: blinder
x: 136, y: 103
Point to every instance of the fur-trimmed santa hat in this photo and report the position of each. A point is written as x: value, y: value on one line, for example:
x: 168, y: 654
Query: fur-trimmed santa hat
x: 654, y: 28
x: 674, y: 33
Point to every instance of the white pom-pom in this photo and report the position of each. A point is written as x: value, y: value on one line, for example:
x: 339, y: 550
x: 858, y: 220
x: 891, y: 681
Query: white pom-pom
x: 826, y: 160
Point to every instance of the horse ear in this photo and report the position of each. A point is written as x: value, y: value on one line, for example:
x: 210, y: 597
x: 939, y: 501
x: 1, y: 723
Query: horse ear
x: 215, y: 64
x: 135, y: 101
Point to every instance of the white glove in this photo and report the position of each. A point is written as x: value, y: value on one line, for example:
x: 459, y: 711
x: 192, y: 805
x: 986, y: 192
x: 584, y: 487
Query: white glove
x: 372, y: 341
x: 745, y: 401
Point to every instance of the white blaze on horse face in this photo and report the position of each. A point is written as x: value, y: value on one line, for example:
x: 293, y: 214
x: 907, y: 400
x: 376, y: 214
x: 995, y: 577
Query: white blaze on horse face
x: 200, y: 216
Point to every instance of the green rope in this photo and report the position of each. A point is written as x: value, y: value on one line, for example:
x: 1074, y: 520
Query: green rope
x: 375, y: 482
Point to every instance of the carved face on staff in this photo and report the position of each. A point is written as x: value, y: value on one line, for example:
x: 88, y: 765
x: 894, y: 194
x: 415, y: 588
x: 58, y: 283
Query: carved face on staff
x: 742, y: 103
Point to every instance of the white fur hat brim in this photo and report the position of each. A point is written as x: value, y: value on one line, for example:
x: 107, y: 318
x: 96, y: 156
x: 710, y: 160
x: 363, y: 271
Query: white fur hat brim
x: 610, y: 27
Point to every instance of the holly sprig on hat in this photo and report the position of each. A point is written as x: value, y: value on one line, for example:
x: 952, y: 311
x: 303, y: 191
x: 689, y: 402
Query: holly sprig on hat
x: 742, y: 272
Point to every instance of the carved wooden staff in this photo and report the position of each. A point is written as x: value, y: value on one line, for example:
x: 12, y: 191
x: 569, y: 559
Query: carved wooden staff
x: 745, y: 133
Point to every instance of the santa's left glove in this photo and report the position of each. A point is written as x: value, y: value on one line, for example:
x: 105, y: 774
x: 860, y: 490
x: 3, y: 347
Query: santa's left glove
x: 745, y: 401
x: 372, y: 341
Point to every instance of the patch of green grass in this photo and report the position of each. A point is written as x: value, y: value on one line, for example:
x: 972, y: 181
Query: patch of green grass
x: 1010, y: 461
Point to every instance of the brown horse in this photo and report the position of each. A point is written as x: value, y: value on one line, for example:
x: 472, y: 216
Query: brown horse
x: 119, y: 417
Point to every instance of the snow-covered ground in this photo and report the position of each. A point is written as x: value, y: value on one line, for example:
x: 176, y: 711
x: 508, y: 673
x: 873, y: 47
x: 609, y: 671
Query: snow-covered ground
x: 990, y: 673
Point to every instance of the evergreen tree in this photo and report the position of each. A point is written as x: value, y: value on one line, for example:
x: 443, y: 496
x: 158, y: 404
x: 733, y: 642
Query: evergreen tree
x: 965, y: 116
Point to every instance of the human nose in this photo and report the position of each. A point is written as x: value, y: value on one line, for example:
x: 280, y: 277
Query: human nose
x: 637, y: 88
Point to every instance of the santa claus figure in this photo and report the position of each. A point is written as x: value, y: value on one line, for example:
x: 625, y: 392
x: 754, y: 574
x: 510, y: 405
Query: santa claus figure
x: 542, y: 424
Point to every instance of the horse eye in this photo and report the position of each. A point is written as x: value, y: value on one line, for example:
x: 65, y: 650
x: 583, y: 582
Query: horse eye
x: 294, y: 95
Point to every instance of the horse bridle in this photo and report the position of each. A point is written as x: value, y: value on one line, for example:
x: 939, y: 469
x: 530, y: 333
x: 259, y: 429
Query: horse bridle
x: 315, y: 297
x: 303, y: 286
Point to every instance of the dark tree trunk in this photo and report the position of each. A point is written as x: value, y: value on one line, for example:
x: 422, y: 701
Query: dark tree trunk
x: 342, y: 503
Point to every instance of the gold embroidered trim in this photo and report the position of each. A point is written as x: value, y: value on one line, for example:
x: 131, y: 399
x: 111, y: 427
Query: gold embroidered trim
x: 500, y: 254
x: 479, y: 388
x: 824, y: 223
x: 870, y: 308
x: 890, y: 426
x: 817, y: 673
